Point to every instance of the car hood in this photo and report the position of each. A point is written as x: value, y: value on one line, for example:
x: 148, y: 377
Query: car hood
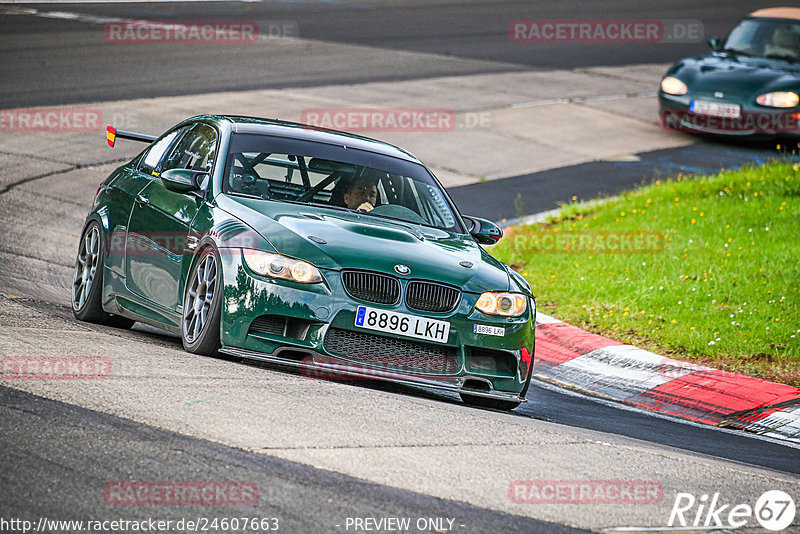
x: 736, y: 75
x: 336, y: 239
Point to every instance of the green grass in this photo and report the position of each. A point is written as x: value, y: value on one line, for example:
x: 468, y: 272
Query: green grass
x: 715, y: 278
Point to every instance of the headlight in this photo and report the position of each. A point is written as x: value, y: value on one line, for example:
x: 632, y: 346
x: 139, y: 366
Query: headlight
x: 506, y: 304
x: 673, y: 86
x: 779, y: 99
x: 277, y: 266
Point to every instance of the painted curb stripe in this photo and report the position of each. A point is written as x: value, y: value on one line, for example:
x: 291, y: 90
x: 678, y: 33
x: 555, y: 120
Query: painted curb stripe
x: 617, y: 372
x: 781, y: 421
x: 601, y: 366
x: 557, y: 343
x: 711, y: 396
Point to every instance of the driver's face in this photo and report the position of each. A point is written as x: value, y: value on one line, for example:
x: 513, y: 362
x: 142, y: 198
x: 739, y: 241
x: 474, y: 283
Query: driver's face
x: 362, y: 191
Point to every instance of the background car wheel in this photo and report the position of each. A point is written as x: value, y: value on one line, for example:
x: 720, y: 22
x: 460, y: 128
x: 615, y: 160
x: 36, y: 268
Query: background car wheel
x: 201, y: 306
x: 485, y: 402
x: 87, y: 282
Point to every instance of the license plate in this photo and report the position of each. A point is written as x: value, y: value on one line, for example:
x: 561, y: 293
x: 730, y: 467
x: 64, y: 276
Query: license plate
x: 403, y: 324
x: 715, y: 109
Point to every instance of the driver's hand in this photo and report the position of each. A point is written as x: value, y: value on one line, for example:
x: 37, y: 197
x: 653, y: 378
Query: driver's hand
x: 366, y: 206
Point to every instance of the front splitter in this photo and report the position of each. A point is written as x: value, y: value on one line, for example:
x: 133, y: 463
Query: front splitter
x: 317, y: 369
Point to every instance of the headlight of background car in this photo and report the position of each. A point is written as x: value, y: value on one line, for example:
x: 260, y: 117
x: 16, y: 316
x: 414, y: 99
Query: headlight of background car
x: 506, y: 304
x: 779, y: 99
x: 673, y: 86
x: 277, y: 266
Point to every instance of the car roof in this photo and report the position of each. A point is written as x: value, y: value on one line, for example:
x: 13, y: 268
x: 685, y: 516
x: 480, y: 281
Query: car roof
x: 777, y: 13
x: 305, y: 132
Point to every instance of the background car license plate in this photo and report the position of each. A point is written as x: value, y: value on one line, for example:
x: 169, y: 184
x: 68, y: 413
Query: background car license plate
x: 716, y: 109
x: 403, y: 324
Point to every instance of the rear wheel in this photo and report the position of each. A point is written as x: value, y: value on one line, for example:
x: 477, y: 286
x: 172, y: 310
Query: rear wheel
x: 201, y: 306
x: 87, y: 281
x: 486, y: 402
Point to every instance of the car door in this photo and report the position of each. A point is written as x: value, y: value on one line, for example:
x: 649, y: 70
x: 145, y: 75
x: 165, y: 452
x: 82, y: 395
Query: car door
x: 159, y: 224
x: 122, y: 193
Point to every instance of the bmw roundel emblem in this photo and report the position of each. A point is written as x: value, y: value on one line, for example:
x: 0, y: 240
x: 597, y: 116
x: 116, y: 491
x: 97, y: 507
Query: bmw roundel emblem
x: 401, y: 269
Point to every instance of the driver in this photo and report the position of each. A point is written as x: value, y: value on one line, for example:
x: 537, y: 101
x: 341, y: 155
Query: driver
x: 361, y: 194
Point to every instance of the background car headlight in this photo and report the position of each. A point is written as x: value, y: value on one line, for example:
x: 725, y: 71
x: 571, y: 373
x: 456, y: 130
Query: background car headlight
x: 506, y: 304
x: 673, y: 86
x: 779, y: 99
x: 277, y: 266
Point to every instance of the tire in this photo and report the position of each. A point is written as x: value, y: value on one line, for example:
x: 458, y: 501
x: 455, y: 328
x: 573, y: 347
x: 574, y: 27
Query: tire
x: 87, y: 281
x: 202, y: 302
x: 486, y: 402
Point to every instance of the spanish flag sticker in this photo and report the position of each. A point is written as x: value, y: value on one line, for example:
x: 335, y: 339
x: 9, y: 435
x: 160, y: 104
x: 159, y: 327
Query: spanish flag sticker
x: 111, y: 135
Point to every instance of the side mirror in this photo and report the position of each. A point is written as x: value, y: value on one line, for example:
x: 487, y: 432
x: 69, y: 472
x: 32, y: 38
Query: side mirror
x: 485, y: 232
x: 182, y: 180
x: 715, y: 43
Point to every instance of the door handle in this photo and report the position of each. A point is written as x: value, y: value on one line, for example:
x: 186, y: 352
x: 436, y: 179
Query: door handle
x: 142, y: 200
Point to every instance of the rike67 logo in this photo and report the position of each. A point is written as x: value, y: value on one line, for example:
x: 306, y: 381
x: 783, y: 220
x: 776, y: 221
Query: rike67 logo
x: 774, y: 510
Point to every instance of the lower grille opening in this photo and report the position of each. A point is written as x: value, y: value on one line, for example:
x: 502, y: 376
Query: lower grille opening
x: 491, y: 361
x: 277, y: 325
x: 296, y: 355
x: 393, y: 354
x: 476, y: 385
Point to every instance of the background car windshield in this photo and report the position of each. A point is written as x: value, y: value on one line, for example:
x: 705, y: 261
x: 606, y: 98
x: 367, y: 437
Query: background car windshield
x: 308, y: 174
x: 766, y: 38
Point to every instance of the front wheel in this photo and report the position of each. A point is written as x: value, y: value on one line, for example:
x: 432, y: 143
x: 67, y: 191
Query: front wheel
x: 87, y: 281
x: 201, y: 306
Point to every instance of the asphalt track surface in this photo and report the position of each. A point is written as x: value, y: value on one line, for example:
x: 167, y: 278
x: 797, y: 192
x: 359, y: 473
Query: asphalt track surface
x: 517, y: 196
x: 61, y: 482
x: 54, y: 453
x: 56, y: 61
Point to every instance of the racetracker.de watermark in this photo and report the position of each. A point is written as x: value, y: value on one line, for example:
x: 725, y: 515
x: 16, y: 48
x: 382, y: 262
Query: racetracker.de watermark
x: 202, y: 493
x: 388, y: 119
x: 735, y: 121
x: 587, y: 242
x: 605, y: 31
x: 119, y: 243
x: 54, y: 368
x: 50, y: 120
x: 586, y: 491
x: 196, y: 31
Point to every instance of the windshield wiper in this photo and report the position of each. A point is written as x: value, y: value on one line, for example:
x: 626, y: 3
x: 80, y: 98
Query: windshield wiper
x: 736, y: 52
x: 246, y: 195
x: 317, y: 205
x: 249, y: 195
x: 785, y: 57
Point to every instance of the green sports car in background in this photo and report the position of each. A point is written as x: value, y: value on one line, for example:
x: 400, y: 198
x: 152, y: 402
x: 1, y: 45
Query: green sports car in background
x: 329, y: 252
x: 748, y: 85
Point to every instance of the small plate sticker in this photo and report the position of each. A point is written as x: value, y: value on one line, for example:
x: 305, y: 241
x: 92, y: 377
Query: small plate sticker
x: 489, y: 330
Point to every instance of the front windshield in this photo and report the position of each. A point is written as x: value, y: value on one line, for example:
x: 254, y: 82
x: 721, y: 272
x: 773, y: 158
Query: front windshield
x: 285, y: 170
x: 770, y: 38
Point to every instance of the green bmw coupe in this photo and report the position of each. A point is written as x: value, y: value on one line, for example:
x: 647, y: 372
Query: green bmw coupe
x: 748, y: 85
x: 320, y: 250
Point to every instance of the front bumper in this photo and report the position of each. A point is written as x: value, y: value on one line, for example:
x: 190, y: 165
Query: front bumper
x: 311, y: 327
x: 754, y: 120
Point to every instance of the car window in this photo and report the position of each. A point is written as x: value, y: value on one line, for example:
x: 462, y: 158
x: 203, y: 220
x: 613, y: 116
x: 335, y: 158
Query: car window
x: 195, y: 151
x: 766, y: 38
x: 279, y: 176
x: 155, y: 153
x: 371, y: 184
